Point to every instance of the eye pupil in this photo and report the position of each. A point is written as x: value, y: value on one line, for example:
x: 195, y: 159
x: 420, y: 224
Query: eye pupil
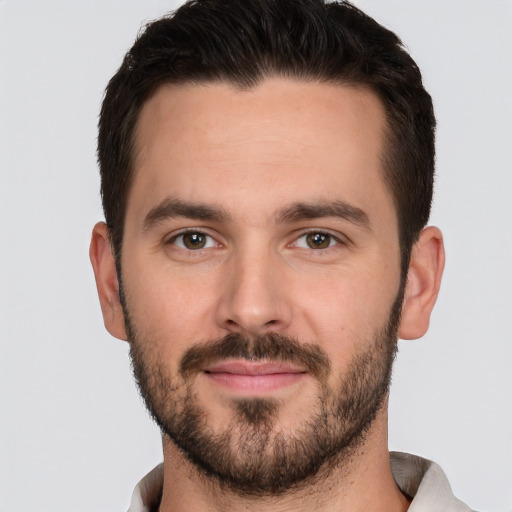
x: 318, y: 240
x: 194, y: 240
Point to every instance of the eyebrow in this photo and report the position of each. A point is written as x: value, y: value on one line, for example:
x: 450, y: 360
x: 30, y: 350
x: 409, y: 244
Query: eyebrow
x: 171, y: 208
x: 340, y: 209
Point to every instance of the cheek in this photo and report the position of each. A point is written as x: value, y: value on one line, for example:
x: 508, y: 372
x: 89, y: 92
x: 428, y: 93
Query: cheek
x: 169, y: 311
x: 344, y: 310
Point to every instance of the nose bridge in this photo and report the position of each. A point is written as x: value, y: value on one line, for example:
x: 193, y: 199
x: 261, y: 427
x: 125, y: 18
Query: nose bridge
x: 253, y: 299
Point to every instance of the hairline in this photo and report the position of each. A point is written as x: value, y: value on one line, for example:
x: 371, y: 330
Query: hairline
x: 386, y: 157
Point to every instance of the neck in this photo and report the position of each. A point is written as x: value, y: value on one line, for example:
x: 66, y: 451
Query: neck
x: 360, y: 482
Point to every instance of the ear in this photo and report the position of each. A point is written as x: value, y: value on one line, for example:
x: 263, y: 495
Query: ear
x: 423, y: 283
x: 104, y: 266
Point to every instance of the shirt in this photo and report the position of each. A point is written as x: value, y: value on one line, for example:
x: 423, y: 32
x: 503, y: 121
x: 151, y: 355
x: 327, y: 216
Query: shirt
x: 419, y: 479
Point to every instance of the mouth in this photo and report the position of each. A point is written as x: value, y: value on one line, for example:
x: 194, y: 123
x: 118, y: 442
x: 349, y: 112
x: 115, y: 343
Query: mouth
x: 253, y: 378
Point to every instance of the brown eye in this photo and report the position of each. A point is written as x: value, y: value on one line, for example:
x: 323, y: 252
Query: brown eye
x: 318, y: 240
x: 193, y: 240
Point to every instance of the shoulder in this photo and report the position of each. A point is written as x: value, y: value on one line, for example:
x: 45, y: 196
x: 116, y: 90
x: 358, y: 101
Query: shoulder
x: 425, y: 482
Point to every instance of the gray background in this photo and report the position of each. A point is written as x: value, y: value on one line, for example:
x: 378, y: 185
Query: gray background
x: 73, y: 433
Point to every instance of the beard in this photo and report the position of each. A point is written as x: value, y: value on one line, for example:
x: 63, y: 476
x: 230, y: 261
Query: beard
x: 253, y: 455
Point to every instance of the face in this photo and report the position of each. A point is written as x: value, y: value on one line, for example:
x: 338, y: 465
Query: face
x: 261, y: 275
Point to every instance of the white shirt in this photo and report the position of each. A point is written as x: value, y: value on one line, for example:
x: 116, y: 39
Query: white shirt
x: 420, y: 479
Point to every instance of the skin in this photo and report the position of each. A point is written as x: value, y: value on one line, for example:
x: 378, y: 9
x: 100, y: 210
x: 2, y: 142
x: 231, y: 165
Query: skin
x: 254, y: 153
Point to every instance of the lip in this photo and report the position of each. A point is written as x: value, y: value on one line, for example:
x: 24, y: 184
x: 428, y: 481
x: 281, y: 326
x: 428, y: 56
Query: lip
x: 254, y: 378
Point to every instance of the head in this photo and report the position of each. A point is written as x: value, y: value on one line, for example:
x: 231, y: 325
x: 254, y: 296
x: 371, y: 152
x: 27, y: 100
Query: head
x: 266, y: 172
x: 242, y: 43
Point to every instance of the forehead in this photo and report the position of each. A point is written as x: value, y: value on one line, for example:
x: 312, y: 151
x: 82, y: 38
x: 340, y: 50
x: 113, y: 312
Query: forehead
x: 282, y: 139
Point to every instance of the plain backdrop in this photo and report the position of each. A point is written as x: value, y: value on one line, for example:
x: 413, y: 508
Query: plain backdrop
x: 73, y: 433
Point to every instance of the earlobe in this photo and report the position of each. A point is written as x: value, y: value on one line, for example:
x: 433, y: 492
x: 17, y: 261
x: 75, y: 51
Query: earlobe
x: 103, y: 264
x: 423, y: 283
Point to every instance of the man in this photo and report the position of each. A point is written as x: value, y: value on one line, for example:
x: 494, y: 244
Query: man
x: 267, y: 173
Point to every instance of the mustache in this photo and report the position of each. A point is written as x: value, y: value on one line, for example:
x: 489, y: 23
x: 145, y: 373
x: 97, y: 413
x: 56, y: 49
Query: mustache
x: 267, y: 347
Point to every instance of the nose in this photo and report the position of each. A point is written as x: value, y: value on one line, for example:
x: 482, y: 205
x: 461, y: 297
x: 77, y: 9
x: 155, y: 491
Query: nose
x: 254, y: 297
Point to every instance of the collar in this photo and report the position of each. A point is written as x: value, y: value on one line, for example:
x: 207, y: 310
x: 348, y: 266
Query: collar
x: 421, y: 479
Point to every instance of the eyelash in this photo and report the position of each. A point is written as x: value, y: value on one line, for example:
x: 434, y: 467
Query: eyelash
x: 332, y: 238
x: 182, y: 234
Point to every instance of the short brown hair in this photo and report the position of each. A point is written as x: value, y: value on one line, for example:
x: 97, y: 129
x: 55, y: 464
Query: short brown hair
x: 244, y: 41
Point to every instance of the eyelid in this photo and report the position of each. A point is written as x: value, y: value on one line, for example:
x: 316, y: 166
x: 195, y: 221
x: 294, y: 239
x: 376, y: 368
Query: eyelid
x: 170, y: 240
x: 336, y: 236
